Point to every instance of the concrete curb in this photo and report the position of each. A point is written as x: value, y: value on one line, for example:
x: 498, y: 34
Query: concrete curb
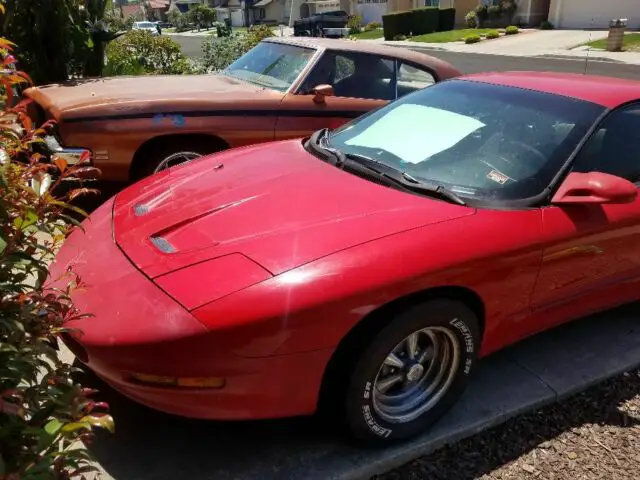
x: 537, y: 372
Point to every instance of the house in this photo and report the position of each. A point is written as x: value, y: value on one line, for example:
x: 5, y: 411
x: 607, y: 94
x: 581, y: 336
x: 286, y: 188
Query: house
x: 271, y: 12
x: 593, y: 13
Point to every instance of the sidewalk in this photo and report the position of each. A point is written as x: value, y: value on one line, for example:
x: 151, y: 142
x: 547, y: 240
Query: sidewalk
x: 536, y: 43
x: 286, y: 32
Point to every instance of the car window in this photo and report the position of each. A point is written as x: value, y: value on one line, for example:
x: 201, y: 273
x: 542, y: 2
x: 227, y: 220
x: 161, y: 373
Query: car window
x: 271, y: 65
x: 615, y: 146
x: 485, y: 142
x: 411, y: 78
x: 354, y: 75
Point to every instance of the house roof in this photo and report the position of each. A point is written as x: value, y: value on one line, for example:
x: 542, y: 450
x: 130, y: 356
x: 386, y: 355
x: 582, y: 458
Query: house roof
x: 606, y: 91
x: 159, y: 4
x: 129, y: 10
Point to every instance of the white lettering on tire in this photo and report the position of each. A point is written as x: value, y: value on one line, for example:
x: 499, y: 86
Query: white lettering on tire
x: 373, y: 425
x: 466, y: 334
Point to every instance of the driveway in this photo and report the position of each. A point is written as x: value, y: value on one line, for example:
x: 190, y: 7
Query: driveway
x: 152, y: 446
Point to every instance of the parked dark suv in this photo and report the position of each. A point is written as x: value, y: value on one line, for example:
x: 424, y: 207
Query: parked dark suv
x: 314, y: 25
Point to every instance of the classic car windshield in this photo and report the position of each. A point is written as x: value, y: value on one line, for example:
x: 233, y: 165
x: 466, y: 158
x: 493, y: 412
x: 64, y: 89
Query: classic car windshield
x: 271, y: 65
x: 481, y: 141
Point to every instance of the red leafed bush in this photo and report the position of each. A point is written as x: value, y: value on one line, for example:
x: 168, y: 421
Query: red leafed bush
x: 45, y: 417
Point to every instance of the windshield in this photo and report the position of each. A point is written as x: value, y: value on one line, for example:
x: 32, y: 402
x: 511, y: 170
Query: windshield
x: 145, y: 25
x: 481, y: 141
x: 271, y: 65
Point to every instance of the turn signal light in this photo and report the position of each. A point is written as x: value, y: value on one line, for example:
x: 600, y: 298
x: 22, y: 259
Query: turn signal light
x: 200, y: 382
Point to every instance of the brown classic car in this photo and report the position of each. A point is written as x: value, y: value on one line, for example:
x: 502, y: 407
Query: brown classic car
x: 283, y: 88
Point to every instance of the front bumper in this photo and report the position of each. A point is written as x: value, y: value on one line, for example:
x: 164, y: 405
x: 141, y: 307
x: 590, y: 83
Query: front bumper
x: 72, y: 156
x: 137, y: 328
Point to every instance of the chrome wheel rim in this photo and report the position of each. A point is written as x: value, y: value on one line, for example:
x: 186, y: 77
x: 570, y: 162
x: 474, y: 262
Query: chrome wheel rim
x: 416, y: 374
x: 176, y: 159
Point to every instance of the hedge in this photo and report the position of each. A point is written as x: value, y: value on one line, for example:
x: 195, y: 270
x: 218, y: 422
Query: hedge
x: 447, y: 19
x: 397, y: 23
x: 424, y: 20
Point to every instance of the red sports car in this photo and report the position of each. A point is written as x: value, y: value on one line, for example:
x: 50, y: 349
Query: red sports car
x: 367, y: 268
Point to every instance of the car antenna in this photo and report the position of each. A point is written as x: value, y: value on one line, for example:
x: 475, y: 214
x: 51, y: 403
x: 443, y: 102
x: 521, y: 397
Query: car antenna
x: 586, y: 60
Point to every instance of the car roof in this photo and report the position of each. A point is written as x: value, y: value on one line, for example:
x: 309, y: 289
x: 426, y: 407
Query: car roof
x: 606, y: 91
x: 445, y: 70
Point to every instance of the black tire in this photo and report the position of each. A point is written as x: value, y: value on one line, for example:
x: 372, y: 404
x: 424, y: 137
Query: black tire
x: 365, y: 418
x: 157, y: 154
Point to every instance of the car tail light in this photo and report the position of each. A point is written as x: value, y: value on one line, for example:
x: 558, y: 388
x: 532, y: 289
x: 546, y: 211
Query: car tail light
x: 181, y: 382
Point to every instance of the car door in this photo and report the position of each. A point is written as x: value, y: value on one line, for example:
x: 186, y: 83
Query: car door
x: 361, y: 82
x: 591, y: 259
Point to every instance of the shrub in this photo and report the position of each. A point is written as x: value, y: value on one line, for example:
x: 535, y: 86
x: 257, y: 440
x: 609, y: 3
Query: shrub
x: 494, y: 11
x: 482, y: 12
x: 424, y: 20
x: 45, y: 417
x: 471, y: 19
x: 511, y: 30
x: 372, y: 26
x: 397, y: 23
x: 223, y: 29
x: 220, y: 53
x: 354, y: 24
x: 472, y: 39
x: 447, y: 19
x: 507, y: 6
x: 546, y: 25
x: 400, y: 38
x: 492, y: 34
x: 138, y: 52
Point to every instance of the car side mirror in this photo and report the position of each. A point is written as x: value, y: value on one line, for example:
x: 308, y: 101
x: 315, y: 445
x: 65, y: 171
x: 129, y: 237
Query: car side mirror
x: 594, y: 188
x: 322, y: 91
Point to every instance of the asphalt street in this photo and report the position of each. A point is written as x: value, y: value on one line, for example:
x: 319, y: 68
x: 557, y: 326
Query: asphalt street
x: 474, y: 63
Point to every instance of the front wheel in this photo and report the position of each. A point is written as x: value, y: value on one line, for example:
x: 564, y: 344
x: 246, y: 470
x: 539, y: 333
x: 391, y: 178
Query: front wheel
x: 412, y: 372
x: 169, y: 154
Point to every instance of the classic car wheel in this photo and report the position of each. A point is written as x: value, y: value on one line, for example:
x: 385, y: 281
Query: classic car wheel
x: 412, y: 372
x: 176, y: 159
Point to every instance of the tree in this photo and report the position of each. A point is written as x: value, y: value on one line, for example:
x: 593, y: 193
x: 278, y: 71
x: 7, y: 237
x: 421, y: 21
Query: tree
x: 58, y: 39
x: 202, y: 16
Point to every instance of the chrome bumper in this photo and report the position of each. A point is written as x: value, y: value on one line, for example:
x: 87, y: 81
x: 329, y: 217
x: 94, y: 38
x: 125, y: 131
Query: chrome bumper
x: 72, y: 156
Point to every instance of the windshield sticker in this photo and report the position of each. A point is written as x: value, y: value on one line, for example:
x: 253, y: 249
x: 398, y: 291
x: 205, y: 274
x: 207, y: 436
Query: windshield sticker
x: 497, y: 177
x: 416, y: 132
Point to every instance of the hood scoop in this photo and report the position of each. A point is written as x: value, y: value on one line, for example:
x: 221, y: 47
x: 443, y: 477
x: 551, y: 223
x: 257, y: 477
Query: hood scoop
x: 185, y: 235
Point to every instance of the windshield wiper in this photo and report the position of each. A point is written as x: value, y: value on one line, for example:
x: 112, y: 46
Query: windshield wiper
x: 355, y: 161
x: 403, y: 179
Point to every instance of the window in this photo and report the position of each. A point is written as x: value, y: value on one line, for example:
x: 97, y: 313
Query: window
x: 432, y: 3
x: 615, y: 147
x: 411, y: 79
x: 485, y: 142
x: 354, y: 75
x: 271, y: 65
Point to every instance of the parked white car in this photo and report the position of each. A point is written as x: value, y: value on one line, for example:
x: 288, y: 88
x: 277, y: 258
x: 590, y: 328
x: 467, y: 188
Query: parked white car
x: 148, y: 26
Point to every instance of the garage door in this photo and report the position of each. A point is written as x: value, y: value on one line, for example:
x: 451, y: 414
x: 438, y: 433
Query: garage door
x: 594, y: 13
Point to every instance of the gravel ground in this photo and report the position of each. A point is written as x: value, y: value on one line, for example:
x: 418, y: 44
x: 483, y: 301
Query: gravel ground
x: 593, y: 435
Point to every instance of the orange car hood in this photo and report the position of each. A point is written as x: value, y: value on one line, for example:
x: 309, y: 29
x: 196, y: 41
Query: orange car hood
x: 147, y: 94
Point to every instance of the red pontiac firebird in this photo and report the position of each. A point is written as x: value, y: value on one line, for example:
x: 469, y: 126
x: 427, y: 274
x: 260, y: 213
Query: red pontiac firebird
x: 369, y: 267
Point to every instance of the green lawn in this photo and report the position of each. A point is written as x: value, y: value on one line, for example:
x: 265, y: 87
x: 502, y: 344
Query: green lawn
x: 450, y: 36
x: 369, y: 35
x: 631, y: 43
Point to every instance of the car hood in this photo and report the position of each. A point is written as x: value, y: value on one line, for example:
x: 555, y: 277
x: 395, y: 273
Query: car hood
x: 275, y: 203
x: 116, y: 96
